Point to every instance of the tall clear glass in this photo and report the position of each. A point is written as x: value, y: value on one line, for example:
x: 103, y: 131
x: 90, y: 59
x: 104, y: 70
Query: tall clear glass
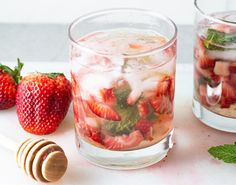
x: 214, y: 101
x: 123, y: 78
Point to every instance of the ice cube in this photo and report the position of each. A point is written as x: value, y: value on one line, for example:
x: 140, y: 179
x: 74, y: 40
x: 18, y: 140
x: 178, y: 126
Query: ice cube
x: 229, y: 55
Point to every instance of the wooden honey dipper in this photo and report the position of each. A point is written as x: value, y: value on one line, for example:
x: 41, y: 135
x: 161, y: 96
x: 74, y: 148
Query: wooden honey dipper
x: 41, y: 159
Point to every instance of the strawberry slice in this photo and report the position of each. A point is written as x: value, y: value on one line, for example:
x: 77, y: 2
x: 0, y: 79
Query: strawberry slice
x: 123, y: 142
x: 232, y: 68
x: 162, y: 105
x: 203, y: 95
x: 166, y: 86
x: 206, y: 62
x: 228, y: 92
x: 233, y: 80
x: 143, y: 109
x: 104, y: 111
x: 201, y: 56
x: 163, y: 86
x: 90, y: 131
x: 108, y: 95
x: 144, y: 126
x: 224, y: 103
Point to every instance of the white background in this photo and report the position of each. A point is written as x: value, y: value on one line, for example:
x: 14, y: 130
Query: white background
x: 64, y: 11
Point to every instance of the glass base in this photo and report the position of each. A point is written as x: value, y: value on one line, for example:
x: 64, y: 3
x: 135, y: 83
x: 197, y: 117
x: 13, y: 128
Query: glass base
x: 126, y: 160
x: 212, y: 119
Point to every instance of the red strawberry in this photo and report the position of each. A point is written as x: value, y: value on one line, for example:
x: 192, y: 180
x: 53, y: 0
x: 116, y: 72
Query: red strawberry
x: 143, y: 109
x: 108, y: 95
x: 42, y: 102
x: 104, y: 111
x: 144, y: 126
x: 8, y: 85
x: 201, y: 56
x: 232, y: 68
x: 162, y: 105
x: 123, y: 142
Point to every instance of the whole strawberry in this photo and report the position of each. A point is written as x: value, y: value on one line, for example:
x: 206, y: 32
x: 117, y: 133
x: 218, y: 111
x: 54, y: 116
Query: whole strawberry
x: 8, y: 85
x: 42, y: 102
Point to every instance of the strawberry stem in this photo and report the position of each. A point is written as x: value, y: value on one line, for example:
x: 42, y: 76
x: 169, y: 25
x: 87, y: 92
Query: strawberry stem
x: 14, y: 73
x: 17, y: 71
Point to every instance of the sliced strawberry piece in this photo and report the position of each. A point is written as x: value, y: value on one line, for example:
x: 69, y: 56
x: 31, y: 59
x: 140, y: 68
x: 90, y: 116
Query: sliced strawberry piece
x: 104, y: 111
x: 172, y: 89
x: 224, y: 103
x: 143, y: 109
x: 232, y: 68
x: 222, y: 68
x: 123, y: 142
x: 203, y: 72
x: 163, y: 86
x: 228, y: 92
x: 203, y: 95
x: 144, y: 126
x: 162, y: 105
x: 90, y: 131
x: 166, y: 86
x: 206, y: 62
x: 233, y: 80
x: 201, y: 56
x: 108, y: 95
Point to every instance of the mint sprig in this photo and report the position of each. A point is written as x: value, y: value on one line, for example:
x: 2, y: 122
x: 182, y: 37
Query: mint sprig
x: 216, y: 40
x: 129, y: 113
x: 226, y: 153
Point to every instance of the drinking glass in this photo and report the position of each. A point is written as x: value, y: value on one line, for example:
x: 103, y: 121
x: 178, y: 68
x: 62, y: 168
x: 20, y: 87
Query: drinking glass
x: 123, y: 78
x: 214, y: 101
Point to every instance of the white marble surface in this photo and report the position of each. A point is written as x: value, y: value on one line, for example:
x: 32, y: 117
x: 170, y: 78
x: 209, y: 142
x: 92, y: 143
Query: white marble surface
x: 188, y: 163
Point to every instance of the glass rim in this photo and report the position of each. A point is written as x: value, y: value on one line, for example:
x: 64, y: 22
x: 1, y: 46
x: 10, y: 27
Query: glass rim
x: 112, y: 10
x: 215, y: 19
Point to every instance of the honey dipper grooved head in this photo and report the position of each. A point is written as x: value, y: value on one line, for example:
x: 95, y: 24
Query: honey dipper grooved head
x: 42, y: 160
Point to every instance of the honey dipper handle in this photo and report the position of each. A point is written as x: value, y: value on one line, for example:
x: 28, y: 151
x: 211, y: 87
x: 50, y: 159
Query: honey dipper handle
x: 8, y: 143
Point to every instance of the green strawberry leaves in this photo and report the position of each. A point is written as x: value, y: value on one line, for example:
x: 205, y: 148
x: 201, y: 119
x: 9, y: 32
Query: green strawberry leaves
x: 16, y: 73
x: 226, y: 153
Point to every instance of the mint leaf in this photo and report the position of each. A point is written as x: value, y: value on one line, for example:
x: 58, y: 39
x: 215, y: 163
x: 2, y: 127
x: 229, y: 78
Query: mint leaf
x: 226, y: 152
x: 216, y: 40
x: 129, y: 113
x: 129, y: 119
x: 122, y: 94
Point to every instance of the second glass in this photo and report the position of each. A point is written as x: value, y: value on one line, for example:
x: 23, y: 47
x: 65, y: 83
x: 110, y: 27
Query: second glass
x: 214, y: 100
x: 123, y: 78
